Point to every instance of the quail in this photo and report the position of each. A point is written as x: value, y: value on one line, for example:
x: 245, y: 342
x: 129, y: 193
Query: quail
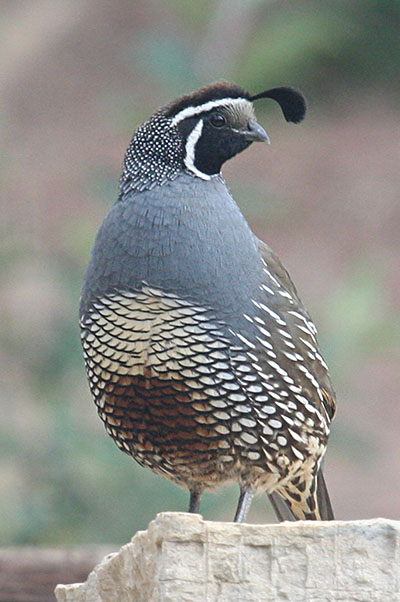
x: 201, y: 358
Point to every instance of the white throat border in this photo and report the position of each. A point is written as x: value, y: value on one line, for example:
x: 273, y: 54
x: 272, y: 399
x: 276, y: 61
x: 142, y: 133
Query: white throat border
x: 190, y: 150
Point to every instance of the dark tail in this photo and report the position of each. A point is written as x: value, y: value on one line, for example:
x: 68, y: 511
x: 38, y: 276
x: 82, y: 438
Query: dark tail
x: 297, y: 506
x: 323, y: 500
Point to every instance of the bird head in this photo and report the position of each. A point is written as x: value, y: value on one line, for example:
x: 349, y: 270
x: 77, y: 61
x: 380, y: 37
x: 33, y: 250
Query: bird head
x: 198, y: 132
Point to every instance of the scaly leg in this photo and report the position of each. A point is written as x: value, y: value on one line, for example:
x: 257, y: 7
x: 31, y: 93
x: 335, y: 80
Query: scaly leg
x: 194, y: 504
x: 244, y: 503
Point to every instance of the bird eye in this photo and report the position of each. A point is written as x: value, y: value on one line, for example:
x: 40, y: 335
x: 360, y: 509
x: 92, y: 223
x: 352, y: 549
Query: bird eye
x: 217, y: 120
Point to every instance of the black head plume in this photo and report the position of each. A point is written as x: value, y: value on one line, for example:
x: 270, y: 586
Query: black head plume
x: 291, y: 101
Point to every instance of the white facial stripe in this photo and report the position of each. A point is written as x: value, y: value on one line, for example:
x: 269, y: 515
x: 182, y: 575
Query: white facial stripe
x: 207, y: 106
x: 191, y: 150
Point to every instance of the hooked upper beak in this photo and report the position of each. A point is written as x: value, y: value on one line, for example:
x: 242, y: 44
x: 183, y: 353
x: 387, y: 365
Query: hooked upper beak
x: 255, y: 132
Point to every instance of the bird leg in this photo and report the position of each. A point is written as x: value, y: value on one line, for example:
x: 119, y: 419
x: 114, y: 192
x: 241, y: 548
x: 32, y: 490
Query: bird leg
x: 244, y: 503
x: 194, y: 504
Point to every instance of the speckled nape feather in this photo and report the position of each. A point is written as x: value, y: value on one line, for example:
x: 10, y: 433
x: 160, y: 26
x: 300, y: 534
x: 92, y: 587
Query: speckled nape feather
x: 201, y: 358
x: 154, y: 156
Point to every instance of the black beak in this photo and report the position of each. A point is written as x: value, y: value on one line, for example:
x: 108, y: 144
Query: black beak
x: 255, y: 133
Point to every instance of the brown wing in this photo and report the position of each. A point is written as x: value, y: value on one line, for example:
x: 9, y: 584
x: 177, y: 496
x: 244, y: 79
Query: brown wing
x: 282, y: 275
x: 277, y: 267
x: 316, y: 503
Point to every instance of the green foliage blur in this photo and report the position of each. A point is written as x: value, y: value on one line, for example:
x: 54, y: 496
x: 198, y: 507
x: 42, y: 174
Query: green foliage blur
x: 78, y: 79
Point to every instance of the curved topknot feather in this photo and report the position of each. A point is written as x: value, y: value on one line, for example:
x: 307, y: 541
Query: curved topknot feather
x: 291, y: 101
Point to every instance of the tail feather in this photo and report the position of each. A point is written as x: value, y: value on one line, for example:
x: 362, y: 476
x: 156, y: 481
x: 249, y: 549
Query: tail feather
x: 323, y: 500
x: 314, y: 506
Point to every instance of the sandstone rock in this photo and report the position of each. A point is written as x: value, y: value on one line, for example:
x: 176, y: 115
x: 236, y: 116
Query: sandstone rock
x: 182, y: 558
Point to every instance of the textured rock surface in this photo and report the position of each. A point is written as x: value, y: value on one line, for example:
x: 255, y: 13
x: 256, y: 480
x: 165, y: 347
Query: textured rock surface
x: 182, y: 558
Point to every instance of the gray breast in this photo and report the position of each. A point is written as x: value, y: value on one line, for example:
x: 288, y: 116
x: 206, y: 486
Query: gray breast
x: 187, y: 237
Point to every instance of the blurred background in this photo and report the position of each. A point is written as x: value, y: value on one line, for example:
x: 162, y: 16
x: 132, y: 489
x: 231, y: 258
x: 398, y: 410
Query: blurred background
x: 76, y: 78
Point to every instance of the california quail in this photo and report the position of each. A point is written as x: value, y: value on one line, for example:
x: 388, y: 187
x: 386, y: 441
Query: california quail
x: 201, y: 358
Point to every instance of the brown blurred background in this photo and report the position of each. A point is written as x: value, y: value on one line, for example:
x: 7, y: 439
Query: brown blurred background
x: 76, y: 78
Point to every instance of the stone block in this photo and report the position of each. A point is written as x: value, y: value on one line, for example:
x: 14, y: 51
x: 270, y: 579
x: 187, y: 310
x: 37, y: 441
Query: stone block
x: 182, y: 558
